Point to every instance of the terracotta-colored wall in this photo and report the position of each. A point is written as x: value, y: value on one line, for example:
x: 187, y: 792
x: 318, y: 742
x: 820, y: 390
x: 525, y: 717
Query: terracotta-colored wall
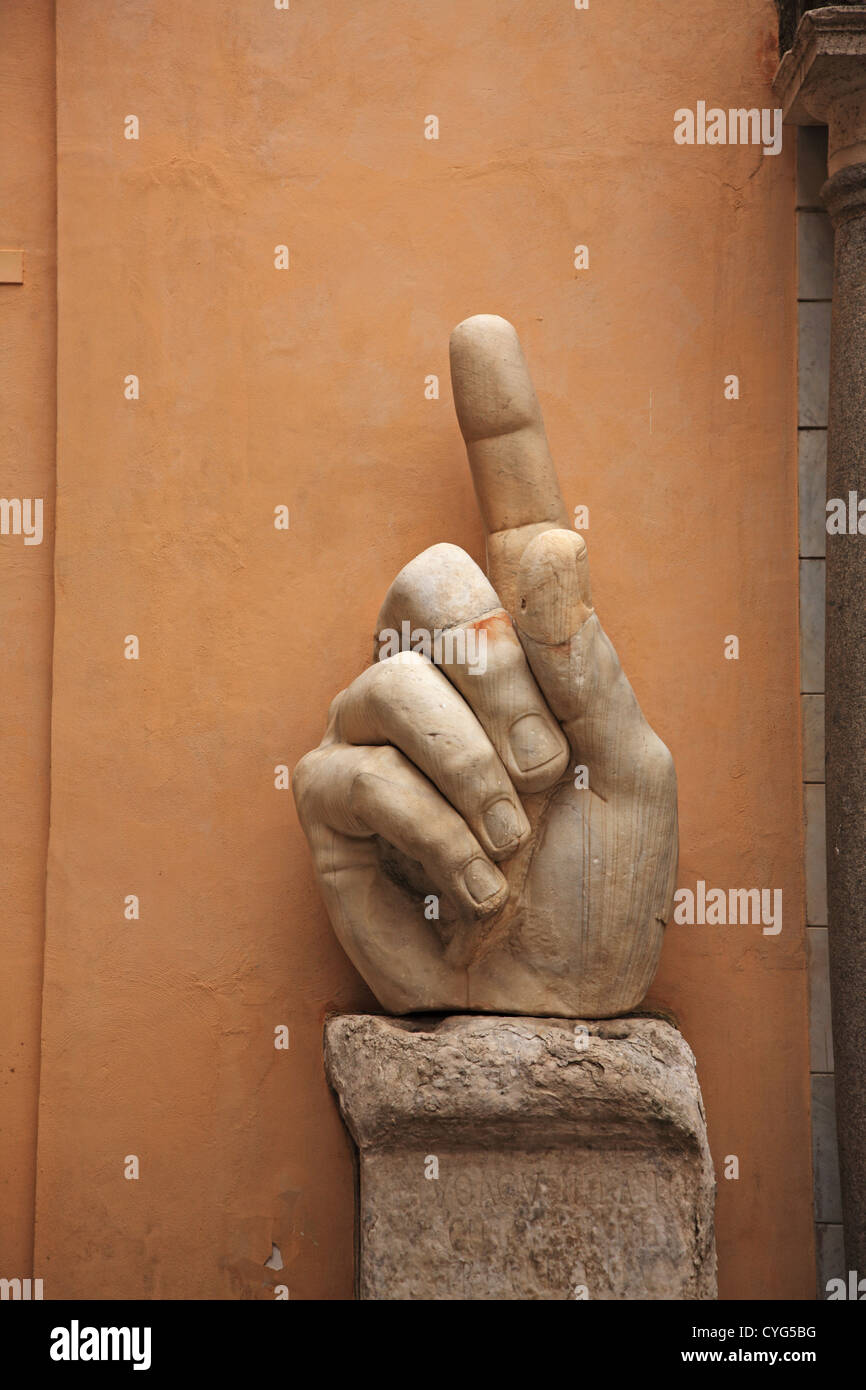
x: 306, y: 387
x: 27, y: 424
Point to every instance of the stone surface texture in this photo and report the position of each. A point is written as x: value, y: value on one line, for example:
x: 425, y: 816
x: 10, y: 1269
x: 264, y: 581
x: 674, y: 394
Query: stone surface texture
x: 823, y: 79
x: 845, y: 194
x: 525, y: 1158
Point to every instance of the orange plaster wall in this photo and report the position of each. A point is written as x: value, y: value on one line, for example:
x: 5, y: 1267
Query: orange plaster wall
x: 305, y: 387
x: 27, y: 425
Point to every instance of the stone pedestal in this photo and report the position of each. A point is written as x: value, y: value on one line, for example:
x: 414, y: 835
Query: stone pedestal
x: 524, y: 1158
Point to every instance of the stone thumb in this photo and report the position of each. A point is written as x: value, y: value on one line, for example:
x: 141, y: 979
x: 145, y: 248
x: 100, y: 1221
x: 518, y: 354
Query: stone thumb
x: 554, y: 603
x: 553, y: 593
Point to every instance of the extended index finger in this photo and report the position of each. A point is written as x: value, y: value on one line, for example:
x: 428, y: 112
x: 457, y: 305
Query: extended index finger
x: 500, y: 419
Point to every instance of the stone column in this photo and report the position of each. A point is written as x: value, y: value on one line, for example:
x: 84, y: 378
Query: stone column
x: 525, y: 1158
x: 822, y: 80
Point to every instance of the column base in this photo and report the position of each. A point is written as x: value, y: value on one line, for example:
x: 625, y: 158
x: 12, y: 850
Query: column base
x: 525, y: 1158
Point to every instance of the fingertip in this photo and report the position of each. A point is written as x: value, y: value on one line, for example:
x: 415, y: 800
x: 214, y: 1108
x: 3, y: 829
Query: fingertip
x: 503, y: 828
x: 553, y: 594
x: 493, y: 392
x: 481, y: 328
x: 484, y: 888
x: 539, y: 753
x: 439, y: 588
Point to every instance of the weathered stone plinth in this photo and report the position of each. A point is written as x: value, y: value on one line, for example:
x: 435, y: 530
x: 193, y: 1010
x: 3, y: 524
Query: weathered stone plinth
x: 525, y: 1158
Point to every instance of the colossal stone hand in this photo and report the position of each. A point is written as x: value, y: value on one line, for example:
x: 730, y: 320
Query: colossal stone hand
x: 449, y: 784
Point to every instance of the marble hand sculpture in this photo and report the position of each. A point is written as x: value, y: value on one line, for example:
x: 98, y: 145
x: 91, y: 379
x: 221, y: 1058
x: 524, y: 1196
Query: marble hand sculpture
x: 465, y: 864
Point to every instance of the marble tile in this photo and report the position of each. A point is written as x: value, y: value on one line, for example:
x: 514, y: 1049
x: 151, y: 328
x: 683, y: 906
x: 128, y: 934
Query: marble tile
x: 813, y: 363
x: 812, y: 469
x: 812, y: 715
x: 814, y: 255
x: 812, y: 581
x: 820, y: 1022
x: 816, y: 855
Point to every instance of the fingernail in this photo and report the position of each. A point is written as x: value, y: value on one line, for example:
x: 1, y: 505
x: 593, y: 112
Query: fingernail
x: 482, y: 880
x: 533, y: 742
x: 503, y: 823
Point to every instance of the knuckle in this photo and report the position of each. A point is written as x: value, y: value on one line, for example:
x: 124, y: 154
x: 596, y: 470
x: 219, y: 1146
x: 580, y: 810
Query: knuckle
x: 334, y: 706
x: 391, y: 667
x: 659, y: 761
x: 384, y: 760
x: 477, y: 767
x: 440, y: 586
x: 382, y: 763
x: 381, y: 681
x: 304, y: 777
